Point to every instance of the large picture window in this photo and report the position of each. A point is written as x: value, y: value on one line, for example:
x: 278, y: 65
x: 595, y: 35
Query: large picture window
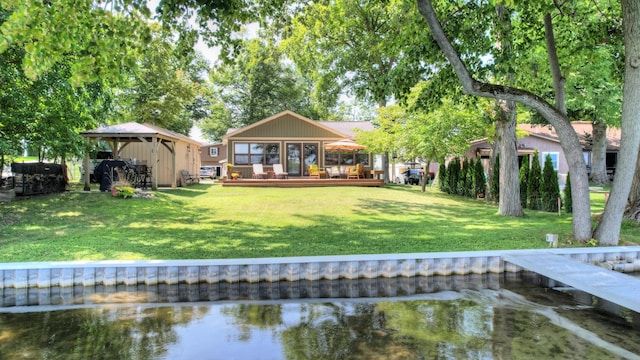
x: 256, y: 153
x: 347, y: 158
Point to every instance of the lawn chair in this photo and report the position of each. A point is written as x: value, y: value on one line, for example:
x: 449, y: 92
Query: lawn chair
x: 279, y: 172
x: 356, y: 172
x: 258, y: 172
x: 314, y: 171
x: 188, y: 179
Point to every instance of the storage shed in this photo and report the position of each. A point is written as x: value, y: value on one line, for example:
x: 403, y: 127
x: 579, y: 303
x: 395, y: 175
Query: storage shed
x: 164, y: 152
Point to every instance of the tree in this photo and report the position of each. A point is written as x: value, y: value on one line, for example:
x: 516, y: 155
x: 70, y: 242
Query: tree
x: 568, y: 207
x: 257, y: 85
x: 494, y: 189
x: 524, y: 180
x: 535, y: 183
x: 479, y: 180
x: 549, y: 189
x: 569, y: 140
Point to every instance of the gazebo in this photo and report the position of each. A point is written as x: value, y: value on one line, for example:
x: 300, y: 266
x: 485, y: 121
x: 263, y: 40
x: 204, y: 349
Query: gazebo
x: 165, y: 151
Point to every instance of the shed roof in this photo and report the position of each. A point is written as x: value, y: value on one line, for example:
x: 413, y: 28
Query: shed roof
x: 133, y: 130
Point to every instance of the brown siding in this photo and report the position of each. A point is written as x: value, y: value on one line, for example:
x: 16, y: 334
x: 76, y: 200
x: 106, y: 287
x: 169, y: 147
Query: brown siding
x: 286, y: 126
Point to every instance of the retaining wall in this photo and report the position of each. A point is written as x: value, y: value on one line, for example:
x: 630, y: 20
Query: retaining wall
x: 154, y: 272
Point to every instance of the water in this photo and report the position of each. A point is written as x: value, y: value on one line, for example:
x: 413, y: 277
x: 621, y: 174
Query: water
x: 465, y: 319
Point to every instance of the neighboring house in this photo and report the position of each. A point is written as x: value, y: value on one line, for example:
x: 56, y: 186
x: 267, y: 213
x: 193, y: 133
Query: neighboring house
x: 214, y: 155
x: 545, y: 139
x: 295, y: 141
x: 164, y: 152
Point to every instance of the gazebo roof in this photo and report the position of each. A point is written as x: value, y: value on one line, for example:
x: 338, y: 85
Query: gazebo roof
x: 133, y: 131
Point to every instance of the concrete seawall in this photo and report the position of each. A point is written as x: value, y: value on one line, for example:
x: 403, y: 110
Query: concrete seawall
x: 290, y: 269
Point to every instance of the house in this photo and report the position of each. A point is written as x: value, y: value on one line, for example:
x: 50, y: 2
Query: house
x: 296, y: 142
x: 163, y: 153
x: 214, y: 155
x: 545, y: 139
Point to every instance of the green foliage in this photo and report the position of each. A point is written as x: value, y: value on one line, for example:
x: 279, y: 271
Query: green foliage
x: 494, y: 189
x: 479, y: 180
x: 258, y: 84
x: 461, y: 189
x: 524, y: 181
x: 549, y: 187
x: 453, y: 175
x: 535, y: 183
x: 443, y: 183
x: 568, y: 202
x: 126, y: 191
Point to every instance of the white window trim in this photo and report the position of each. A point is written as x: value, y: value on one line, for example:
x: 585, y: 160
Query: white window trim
x: 556, y: 165
x: 213, y: 151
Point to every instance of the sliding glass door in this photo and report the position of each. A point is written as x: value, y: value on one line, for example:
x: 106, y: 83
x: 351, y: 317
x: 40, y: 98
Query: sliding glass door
x: 300, y: 156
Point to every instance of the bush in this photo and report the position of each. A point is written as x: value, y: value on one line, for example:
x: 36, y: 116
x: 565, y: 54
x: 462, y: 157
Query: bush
x: 126, y: 191
x: 479, y: 180
x: 442, y: 177
x: 568, y: 201
x: 524, y: 180
x: 550, y: 189
x: 534, y: 184
x: 494, y: 189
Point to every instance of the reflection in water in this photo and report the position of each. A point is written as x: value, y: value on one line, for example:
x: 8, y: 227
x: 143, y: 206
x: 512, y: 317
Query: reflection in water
x: 465, y: 324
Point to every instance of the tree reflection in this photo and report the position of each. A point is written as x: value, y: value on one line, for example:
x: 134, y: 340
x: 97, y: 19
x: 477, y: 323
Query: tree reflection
x: 96, y: 333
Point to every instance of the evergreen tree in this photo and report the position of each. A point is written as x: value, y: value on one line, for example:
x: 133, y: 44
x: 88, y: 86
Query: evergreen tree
x: 479, y: 180
x: 535, y: 183
x: 524, y: 180
x: 568, y: 207
x: 442, y: 177
x: 454, y: 175
x: 495, y: 180
x: 471, y: 167
x: 462, y: 178
x: 550, y: 189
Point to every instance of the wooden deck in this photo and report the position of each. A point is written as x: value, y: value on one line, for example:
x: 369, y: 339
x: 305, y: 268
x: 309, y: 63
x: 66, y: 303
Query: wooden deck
x: 302, y: 182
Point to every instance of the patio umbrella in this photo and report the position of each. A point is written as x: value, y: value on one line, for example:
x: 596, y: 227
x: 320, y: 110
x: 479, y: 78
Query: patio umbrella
x: 344, y: 144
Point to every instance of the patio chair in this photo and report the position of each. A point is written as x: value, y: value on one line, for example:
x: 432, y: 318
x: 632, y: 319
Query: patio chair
x: 279, y: 172
x: 315, y: 171
x: 356, y: 172
x: 258, y: 172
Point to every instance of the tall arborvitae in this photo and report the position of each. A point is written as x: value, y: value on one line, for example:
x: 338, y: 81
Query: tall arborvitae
x: 494, y: 189
x: 462, y: 178
x: 479, y: 180
x: 550, y: 189
x: 442, y: 177
x: 468, y: 186
x: 535, y: 182
x: 568, y: 202
x: 524, y: 180
x: 454, y: 175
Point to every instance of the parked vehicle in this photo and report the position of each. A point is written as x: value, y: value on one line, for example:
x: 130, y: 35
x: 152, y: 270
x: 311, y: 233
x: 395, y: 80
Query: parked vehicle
x: 207, y: 172
x: 410, y: 176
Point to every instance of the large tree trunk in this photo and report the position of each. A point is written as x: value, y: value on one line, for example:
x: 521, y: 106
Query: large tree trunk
x: 599, y: 153
x: 608, y: 232
x: 568, y: 137
x: 632, y: 211
x: 509, y: 204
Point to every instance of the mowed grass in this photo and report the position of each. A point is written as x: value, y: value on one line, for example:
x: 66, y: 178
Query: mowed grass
x: 209, y: 221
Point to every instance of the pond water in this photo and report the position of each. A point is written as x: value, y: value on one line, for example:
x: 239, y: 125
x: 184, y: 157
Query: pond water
x: 500, y: 319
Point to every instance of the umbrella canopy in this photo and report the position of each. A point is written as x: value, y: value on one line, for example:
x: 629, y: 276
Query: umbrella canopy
x: 344, y: 144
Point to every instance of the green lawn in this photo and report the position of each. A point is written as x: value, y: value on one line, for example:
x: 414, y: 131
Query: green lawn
x: 209, y: 221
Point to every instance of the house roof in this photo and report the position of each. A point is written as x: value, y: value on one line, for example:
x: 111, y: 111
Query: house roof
x: 342, y: 129
x: 584, y: 129
x: 136, y: 130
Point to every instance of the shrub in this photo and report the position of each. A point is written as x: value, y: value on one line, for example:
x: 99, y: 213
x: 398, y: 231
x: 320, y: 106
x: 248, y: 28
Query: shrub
x: 479, y: 180
x: 549, y: 187
x: 126, y: 191
x: 442, y: 177
x: 568, y: 201
x: 494, y: 189
x: 524, y: 179
x: 534, y: 184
